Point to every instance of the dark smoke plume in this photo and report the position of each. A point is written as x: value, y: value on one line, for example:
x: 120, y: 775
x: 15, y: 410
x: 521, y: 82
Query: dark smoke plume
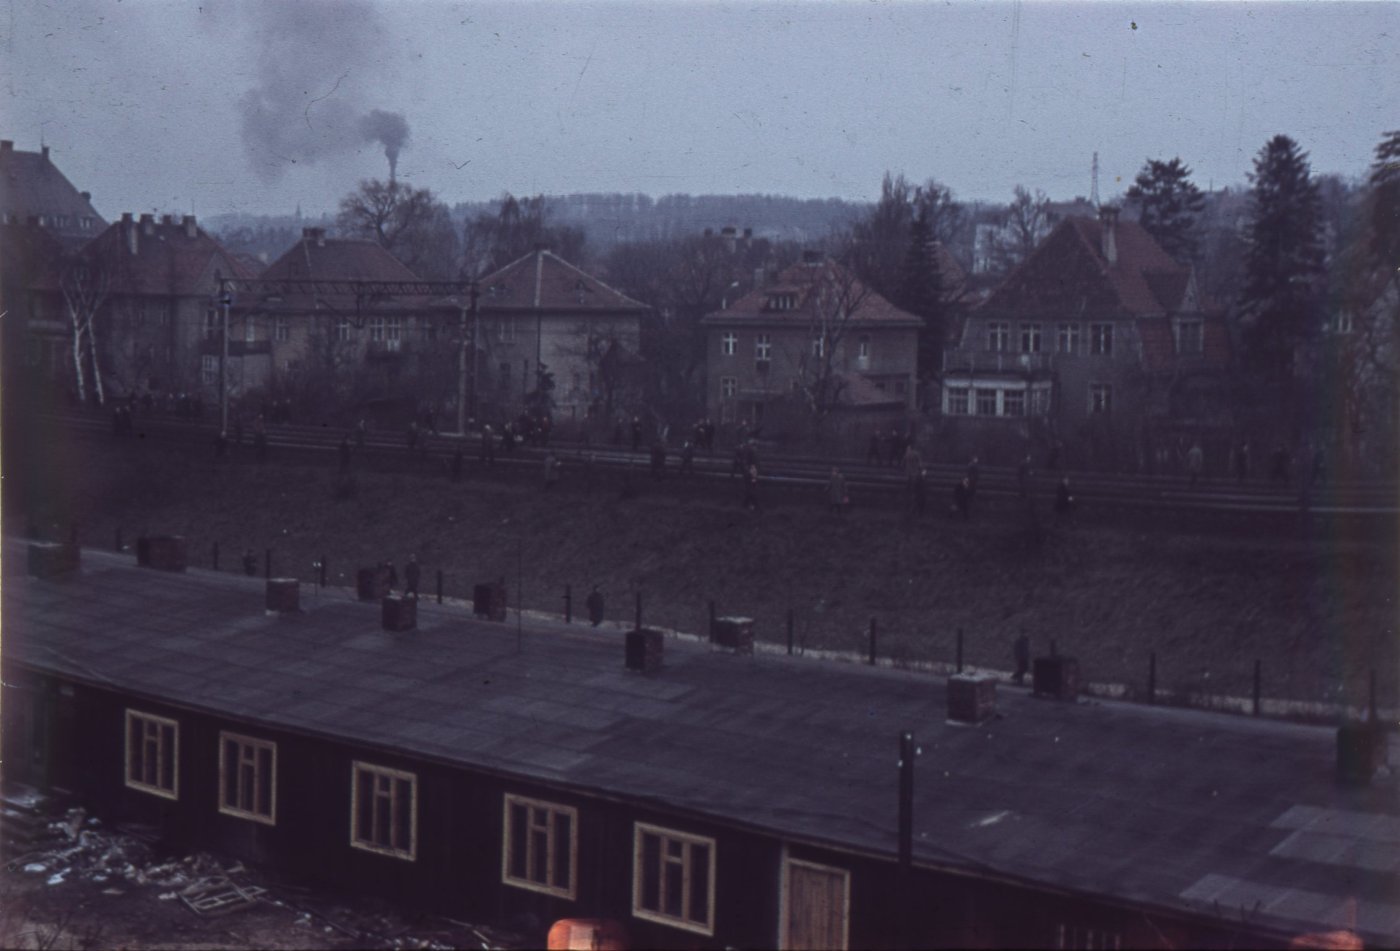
x: 390, y: 130
x: 314, y: 66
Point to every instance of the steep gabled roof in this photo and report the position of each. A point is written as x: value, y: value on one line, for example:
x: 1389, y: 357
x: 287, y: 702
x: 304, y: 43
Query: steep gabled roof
x: 337, y: 259
x: 32, y: 186
x: 805, y: 284
x: 543, y: 281
x: 161, y: 257
x: 1070, y: 275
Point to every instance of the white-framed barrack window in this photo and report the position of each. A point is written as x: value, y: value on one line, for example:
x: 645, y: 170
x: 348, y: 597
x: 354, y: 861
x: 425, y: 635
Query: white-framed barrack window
x: 539, y: 848
x: 673, y: 878
x: 247, y: 777
x: 384, y: 810
x: 153, y: 754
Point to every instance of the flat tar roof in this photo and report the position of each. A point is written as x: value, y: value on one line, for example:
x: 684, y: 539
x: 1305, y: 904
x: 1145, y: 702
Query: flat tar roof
x: 1214, y: 814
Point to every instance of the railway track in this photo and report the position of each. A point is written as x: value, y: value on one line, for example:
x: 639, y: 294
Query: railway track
x: 1096, y: 494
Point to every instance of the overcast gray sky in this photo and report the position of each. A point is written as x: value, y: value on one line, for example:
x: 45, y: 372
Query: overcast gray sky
x: 223, y: 105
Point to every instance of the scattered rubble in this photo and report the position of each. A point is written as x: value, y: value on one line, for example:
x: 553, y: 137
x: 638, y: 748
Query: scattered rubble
x: 99, y: 869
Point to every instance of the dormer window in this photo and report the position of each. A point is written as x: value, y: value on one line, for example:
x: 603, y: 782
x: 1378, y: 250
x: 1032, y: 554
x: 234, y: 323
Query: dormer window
x: 783, y: 301
x: 1188, y: 336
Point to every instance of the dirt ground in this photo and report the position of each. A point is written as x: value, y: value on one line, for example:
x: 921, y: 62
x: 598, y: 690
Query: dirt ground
x: 1317, y: 609
x: 87, y: 887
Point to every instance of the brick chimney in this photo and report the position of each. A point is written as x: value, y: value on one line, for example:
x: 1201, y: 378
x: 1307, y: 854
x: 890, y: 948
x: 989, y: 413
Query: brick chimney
x: 1108, y: 217
x: 190, y: 230
x: 44, y: 150
x: 130, y: 233
x: 6, y: 146
x: 167, y: 219
x: 316, y: 236
x: 148, y: 225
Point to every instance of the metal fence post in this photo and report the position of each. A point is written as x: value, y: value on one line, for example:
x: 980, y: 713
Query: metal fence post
x: 1258, y: 676
x: 960, y: 650
x: 789, y: 634
x: 568, y: 604
x: 872, y: 642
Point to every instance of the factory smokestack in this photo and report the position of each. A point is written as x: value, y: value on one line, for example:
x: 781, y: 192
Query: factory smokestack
x: 390, y: 130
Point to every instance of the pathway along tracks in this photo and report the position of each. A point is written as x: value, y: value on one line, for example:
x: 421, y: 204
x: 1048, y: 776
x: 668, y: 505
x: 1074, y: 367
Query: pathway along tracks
x: 791, y: 478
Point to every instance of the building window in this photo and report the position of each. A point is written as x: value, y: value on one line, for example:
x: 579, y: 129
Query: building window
x: 1030, y: 338
x: 729, y: 387
x: 1100, y: 398
x: 153, y: 754
x: 819, y: 347
x: 342, y: 329
x: 505, y: 331
x: 250, y: 329
x: 957, y: 401
x: 728, y: 344
x: 986, y: 402
x: 248, y: 778
x: 540, y: 846
x: 211, y: 324
x: 209, y: 370
x: 394, y: 332
x: 782, y: 301
x: 376, y: 329
x: 281, y: 329
x: 863, y: 348
x: 763, y: 347
x: 998, y: 337
x: 1068, y: 338
x: 1345, y: 322
x: 1040, y: 401
x: 1101, y: 338
x: 384, y: 811
x: 1013, y: 403
x: 1189, y: 338
x: 673, y: 878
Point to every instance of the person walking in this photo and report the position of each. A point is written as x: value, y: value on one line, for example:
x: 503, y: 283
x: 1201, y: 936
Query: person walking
x: 836, y: 497
x: 751, y: 488
x: 594, y: 603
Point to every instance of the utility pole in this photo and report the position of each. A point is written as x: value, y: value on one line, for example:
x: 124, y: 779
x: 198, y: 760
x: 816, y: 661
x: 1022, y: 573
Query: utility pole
x: 225, y: 298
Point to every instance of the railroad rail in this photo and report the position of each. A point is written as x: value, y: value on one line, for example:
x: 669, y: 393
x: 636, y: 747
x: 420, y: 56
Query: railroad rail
x: 998, y: 486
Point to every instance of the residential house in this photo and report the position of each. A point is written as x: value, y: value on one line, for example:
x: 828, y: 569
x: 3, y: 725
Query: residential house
x: 815, y: 340
x: 150, y: 284
x: 33, y: 188
x: 1098, y: 334
x: 540, y: 311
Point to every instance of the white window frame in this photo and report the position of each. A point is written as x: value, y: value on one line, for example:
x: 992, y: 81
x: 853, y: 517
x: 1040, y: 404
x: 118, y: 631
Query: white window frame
x: 343, y: 330
x: 153, y: 740
x: 977, y: 395
x: 250, y: 329
x: 1030, y: 338
x: 763, y: 347
x: 505, y: 331
x: 393, y: 333
x: 1010, y: 398
x: 1101, y: 339
x: 958, y: 400
x: 393, y: 776
x: 1193, y: 342
x: 999, y: 336
x: 209, y: 369
x: 642, y: 829
x: 1095, y: 389
x: 728, y: 344
x: 281, y: 329
x: 728, y: 387
x: 1068, y: 338
x: 863, y: 348
x: 819, y: 346
x: 246, y: 749
x: 376, y: 330
x: 541, y: 819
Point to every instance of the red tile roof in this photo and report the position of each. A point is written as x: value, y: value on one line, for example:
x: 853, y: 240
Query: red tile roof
x: 31, y: 185
x: 543, y: 281
x: 171, y: 258
x: 1068, y: 274
x: 806, y: 282
x: 337, y: 259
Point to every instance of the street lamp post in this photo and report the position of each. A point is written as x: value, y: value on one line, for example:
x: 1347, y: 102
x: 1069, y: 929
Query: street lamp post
x: 225, y: 298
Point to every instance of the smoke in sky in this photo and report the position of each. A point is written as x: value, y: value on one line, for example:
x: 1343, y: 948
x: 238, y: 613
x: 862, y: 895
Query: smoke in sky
x: 314, y: 62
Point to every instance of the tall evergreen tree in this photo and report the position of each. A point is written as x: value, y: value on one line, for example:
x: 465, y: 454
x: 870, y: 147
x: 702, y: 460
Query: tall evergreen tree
x: 1170, y: 203
x: 1384, y: 203
x: 921, y: 294
x: 1284, y: 257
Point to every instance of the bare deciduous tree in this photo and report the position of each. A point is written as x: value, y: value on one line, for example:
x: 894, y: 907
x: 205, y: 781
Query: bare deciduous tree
x: 85, y: 283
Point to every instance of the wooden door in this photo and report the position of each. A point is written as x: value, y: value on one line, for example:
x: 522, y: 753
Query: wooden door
x: 818, y: 901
